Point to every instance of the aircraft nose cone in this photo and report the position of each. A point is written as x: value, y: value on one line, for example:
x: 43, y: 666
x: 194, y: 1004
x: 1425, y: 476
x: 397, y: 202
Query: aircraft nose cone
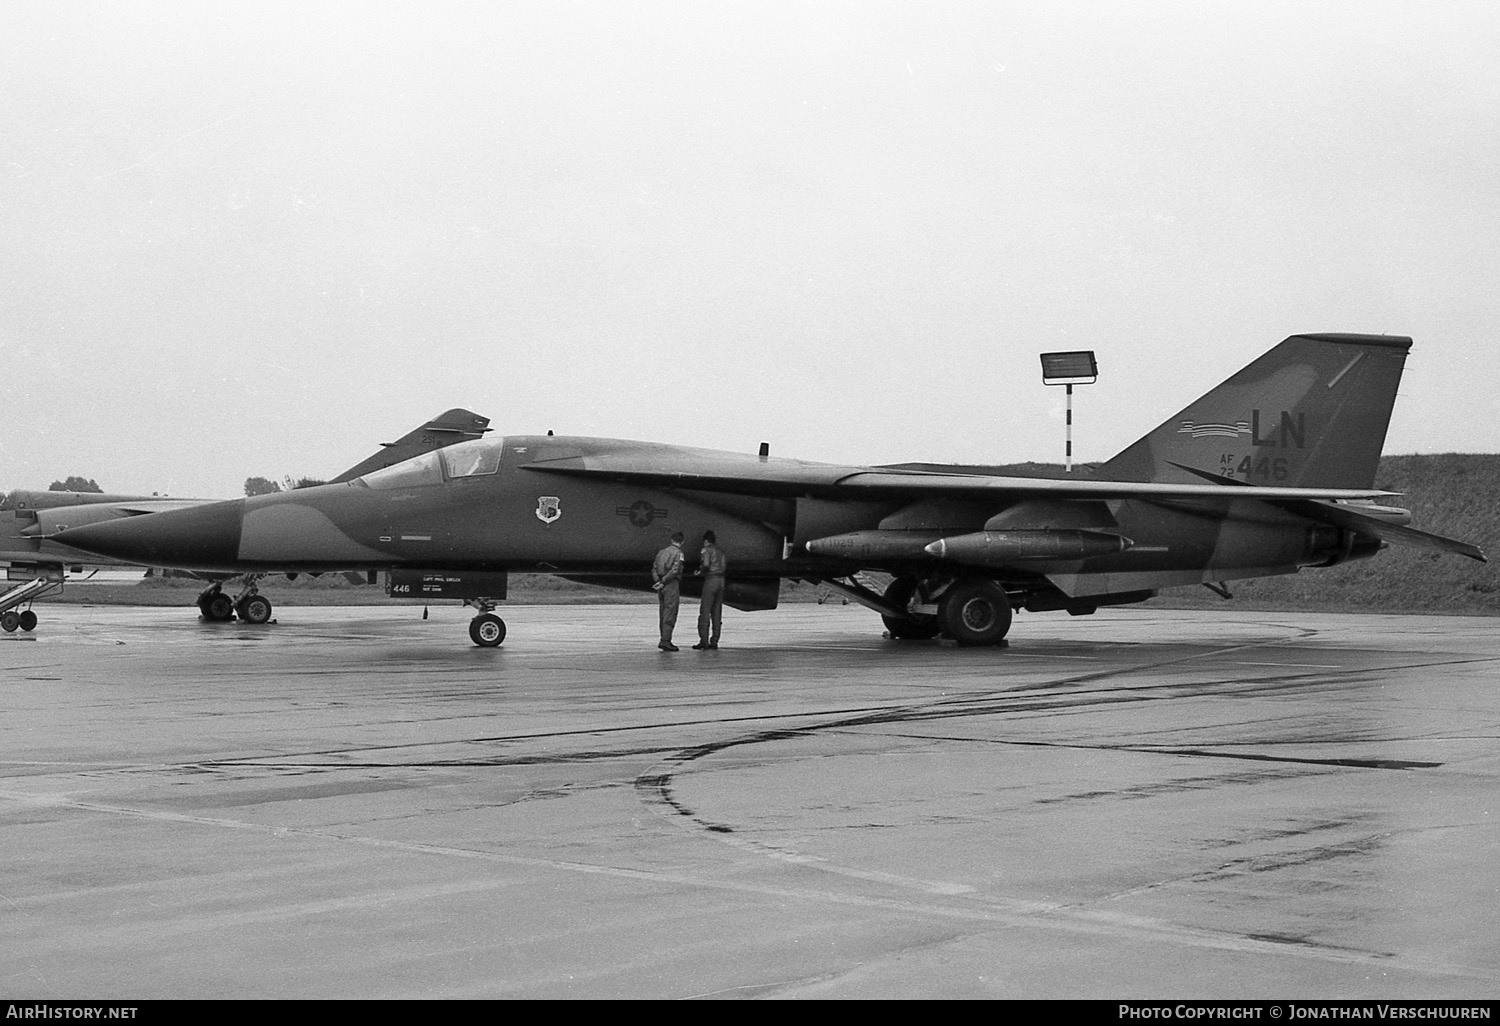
x: 202, y: 538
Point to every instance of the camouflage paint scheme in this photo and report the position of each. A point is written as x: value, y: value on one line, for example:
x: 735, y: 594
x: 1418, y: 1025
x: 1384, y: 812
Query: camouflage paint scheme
x: 1270, y: 472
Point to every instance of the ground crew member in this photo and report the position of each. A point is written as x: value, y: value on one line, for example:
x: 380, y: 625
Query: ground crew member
x: 666, y: 579
x: 711, y: 567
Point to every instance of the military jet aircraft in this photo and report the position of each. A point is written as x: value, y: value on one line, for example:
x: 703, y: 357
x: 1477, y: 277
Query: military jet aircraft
x: 1270, y: 472
x: 36, y: 566
x: 37, y: 563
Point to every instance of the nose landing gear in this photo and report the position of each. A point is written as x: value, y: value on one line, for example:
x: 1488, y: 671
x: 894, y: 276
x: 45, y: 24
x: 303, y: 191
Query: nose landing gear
x: 216, y: 606
x: 254, y: 609
x: 486, y: 629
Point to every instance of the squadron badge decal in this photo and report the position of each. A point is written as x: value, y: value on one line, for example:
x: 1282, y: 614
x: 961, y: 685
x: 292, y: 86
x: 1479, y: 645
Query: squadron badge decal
x: 548, y: 508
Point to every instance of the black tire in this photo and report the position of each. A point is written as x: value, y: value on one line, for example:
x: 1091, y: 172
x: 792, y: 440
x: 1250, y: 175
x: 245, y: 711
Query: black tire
x: 219, y: 607
x: 487, y: 630
x: 28, y: 621
x: 255, y: 609
x: 917, y: 628
x: 9, y: 621
x: 976, y: 612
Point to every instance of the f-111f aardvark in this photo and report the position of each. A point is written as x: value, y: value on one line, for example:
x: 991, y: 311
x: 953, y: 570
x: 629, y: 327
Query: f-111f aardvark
x: 1268, y: 473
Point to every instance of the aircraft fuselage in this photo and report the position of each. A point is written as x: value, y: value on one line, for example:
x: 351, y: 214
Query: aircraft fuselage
x: 516, y: 517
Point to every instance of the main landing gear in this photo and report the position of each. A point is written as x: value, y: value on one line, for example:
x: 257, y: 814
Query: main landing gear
x: 973, y: 611
x: 486, y: 629
x: 913, y: 626
x: 249, y: 605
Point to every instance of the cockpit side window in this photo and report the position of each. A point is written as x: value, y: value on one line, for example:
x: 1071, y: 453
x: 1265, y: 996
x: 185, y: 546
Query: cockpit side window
x: 466, y: 459
x: 413, y: 473
x: 474, y: 458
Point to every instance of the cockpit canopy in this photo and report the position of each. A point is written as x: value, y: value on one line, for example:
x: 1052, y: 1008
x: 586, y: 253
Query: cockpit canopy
x: 474, y: 458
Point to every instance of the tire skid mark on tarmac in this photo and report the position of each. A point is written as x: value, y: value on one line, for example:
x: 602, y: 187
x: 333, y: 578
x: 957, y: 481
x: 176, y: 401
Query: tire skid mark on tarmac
x: 655, y: 786
x: 1039, y: 697
x: 1204, y: 753
x: 932, y: 898
x: 298, y: 760
x: 942, y: 900
x: 657, y: 781
x: 997, y: 912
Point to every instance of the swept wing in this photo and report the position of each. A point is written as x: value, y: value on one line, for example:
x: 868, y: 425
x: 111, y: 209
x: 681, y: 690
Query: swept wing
x: 708, y: 470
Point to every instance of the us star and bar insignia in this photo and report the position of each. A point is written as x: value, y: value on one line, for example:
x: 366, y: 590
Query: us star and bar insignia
x: 640, y: 512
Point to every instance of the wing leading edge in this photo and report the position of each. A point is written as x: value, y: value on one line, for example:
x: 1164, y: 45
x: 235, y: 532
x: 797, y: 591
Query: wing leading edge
x: 707, y: 470
x: 752, y: 475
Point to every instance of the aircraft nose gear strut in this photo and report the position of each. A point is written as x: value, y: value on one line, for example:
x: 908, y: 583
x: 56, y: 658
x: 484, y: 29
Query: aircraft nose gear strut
x: 214, y: 604
x: 250, y: 604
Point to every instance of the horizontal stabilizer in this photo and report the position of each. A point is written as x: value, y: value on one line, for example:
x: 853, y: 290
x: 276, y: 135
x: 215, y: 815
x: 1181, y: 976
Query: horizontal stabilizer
x: 1351, y: 519
x: 1377, y: 525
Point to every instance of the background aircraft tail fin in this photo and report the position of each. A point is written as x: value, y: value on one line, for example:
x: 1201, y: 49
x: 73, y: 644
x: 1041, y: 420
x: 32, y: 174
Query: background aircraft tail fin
x: 1310, y: 413
x: 457, y: 425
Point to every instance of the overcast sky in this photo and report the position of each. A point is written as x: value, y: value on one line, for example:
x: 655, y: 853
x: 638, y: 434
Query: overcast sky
x: 257, y: 238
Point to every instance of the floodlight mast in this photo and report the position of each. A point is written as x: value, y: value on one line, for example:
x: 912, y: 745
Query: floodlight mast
x: 1077, y: 367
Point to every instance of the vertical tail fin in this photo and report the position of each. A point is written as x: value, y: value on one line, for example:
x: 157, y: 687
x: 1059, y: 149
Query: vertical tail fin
x: 1312, y: 412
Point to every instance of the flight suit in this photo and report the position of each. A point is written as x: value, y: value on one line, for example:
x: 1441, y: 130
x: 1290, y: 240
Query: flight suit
x: 666, y: 571
x: 713, y: 566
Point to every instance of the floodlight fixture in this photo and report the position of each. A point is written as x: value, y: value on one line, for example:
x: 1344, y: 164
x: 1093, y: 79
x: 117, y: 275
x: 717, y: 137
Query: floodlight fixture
x: 1076, y: 367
